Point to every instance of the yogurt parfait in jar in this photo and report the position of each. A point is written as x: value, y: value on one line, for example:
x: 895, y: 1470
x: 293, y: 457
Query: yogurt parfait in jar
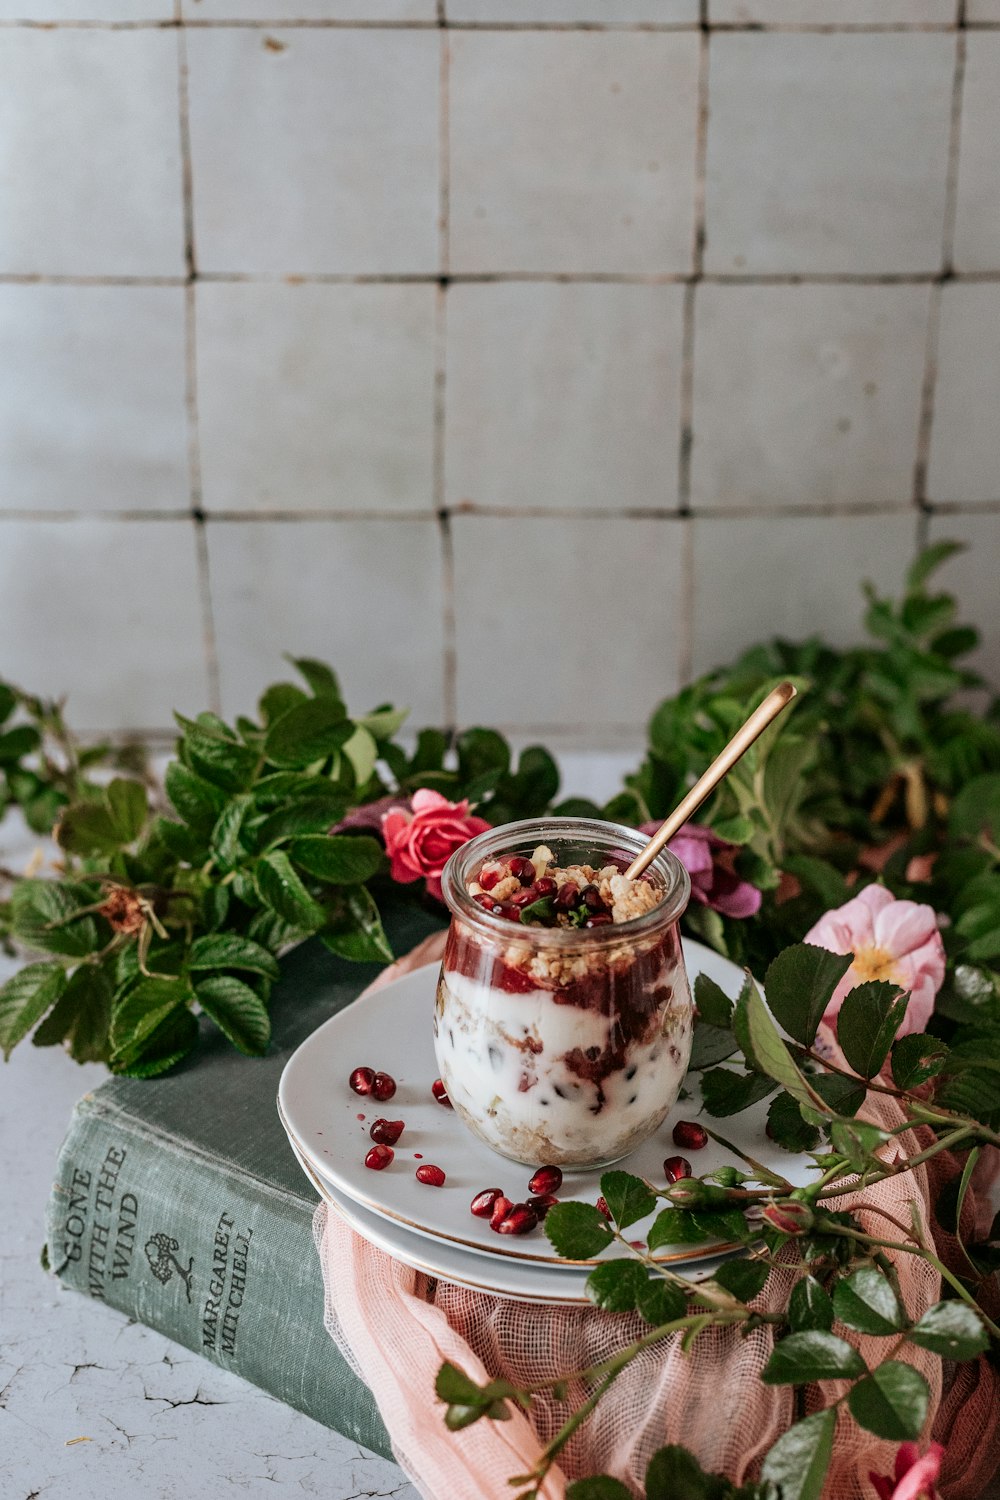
x: 563, y: 1016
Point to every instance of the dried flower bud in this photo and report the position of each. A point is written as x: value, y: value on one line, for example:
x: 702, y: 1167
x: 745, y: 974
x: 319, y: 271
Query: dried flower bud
x: 123, y: 910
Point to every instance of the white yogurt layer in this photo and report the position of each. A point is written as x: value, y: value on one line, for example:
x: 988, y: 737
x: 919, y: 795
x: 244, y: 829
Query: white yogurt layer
x: 502, y: 1058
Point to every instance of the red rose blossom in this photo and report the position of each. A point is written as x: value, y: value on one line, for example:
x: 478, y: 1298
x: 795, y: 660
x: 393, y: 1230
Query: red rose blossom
x: 421, y: 842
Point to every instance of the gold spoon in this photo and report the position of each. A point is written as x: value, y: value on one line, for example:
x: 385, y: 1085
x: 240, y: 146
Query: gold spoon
x: 723, y: 763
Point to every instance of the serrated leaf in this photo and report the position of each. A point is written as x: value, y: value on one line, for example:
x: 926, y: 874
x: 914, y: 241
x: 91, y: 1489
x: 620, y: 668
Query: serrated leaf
x: 840, y: 1094
x: 238, y: 1011
x: 341, y: 859
x: 916, y: 1058
x: 209, y: 750
x: 629, y: 1198
x: 725, y: 1092
x: 798, y: 1462
x: 298, y: 819
x: 771, y: 1053
x: 892, y: 1401
x: 167, y: 1045
x: 278, y: 699
x: 25, y: 998
x: 37, y: 906
x: 660, y: 1301
x: 598, y: 1487
x: 787, y: 1128
x: 869, y: 1019
x: 199, y: 802
x: 225, y: 838
x: 745, y: 1279
x: 809, y: 1307
x: 227, y: 950
x: 813, y: 1355
x: 952, y: 1330
x: 857, y: 1140
x: 280, y: 888
x: 675, y: 1226
x: 126, y: 802
x: 144, y: 1009
x: 81, y: 1017
x: 714, y: 1005
x: 577, y: 1231
x: 355, y: 930
x: 799, y: 986
x: 865, y: 1301
x: 307, y: 733
x: 674, y: 1473
x: 710, y: 1046
x: 616, y: 1285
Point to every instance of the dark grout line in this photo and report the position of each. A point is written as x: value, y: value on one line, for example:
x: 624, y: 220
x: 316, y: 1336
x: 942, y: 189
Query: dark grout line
x: 466, y: 511
x: 803, y: 28
x: 449, y: 658
x: 697, y: 264
x: 487, y: 278
x: 685, y: 643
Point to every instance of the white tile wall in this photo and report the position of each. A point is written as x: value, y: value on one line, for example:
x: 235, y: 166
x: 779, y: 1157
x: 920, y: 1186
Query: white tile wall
x: 90, y: 183
x: 828, y: 152
x: 316, y: 397
x: 106, y: 611
x: 572, y: 152
x: 363, y: 595
x: 977, y: 226
x: 563, y: 397
x: 315, y: 151
x: 349, y: 327
x: 92, y: 398
x: 806, y: 394
x: 965, y: 438
x: 540, y: 606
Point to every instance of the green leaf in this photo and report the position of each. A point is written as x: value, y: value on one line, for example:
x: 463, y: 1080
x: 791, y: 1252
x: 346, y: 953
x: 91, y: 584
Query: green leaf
x: 238, y: 1011
x: 210, y: 750
x: 675, y: 1474
x: 787, y: 1128
x: 975, y: 812
x: 660, y: 1301
x: 952, y: 1330
x: 481, y: 752
x: 314, y: 815
x: 88, y: 828
x: 892, y: 1402
x: 25, y: 998
x: 772, y: 1054
x: 38, y: 905
x: 280, y: 888
x: 577, y: 1231
x: 453, y: 1385
x: 15, y: 743
x: 361, y: 751
x: 857, y: 1140
x: 929, y: 559
x: 308, y: 732
x: 8, y: 702
x: 629, y: 1198
x: 809, y: 1307
x: 917, y: 1057
x: 355, y: 931
x: 867, y: 1302
x: 225, y: 840
x: 278, y: 699
x: 127, y: 805
x: 710, y: 1045
x: 198, y: 802
x: 869, y: 1019
x: 81, y: 1016
x: 167, y: 1045
x: 341, y: 859
x: 841, y: 1095
x: 598, y: 1487
x: 798, y: 1462
x: 814, y: 1355
x: 799, y: 986
x: 227, y: 950
x: 384, y: 723
x: 541, y: 910
x: 745, y: 1279
x: 727, y: 1093
x: 714, y: 1005
x: 321, y: 678
x: 141, y: 1012
x: 616, y: 1285
x: 673, y: 1226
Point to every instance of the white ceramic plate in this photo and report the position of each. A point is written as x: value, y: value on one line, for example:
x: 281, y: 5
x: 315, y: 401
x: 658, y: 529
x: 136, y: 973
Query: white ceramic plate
x: 508, y: 1278
x: 390, y: 1030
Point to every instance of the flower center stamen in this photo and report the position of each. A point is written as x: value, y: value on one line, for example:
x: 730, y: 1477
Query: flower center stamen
x: 876, y: 963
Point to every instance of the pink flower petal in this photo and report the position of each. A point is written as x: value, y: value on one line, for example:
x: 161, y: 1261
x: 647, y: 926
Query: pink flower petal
x: 426, y: 800
x: 904, y: 926
x: 918, y: 1479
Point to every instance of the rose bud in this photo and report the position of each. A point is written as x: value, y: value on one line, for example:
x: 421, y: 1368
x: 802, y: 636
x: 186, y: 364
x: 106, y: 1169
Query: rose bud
x: 789, y: 1217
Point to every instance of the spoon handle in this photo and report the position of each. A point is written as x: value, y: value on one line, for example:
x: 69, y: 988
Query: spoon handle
x: 723, y: 763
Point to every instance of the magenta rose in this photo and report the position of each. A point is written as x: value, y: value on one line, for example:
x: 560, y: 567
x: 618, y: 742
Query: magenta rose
x: 711, y: 864
x: 420, y: 841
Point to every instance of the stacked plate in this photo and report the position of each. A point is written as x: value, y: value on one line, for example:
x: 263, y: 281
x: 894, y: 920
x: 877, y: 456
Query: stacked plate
x: 431, y: 1228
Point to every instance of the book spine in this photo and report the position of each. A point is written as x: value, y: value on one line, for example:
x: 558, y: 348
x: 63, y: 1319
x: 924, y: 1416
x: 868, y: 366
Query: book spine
x: 214, y: 1259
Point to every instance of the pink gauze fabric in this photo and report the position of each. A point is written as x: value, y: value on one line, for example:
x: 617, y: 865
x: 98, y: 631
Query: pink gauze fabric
x: 396, y: 1327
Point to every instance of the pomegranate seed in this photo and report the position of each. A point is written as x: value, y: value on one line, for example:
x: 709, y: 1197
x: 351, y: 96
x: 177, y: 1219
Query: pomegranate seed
x: 433, y: 1176
x: 361, y: 1080
x: 520, y: 1219
x: 602, y: 1207
x: 599, y: 919
x: 568, y: 895
x: 486, y: 902
x: 489, y: 875
x: 691, y: 1135
x: 546, y: 1180
x: 542, y: 1202
x: 510, y: 911
x: 501, y: 1208
x: 524, y: 898
x: 441, y: 1094
x: 545, y: 886
x: 591, y: 898
x: 383, y: 1087
x: 676, y: 1167
x: 386, y: 1132
x: 379, y: 1157
x: 482, y: 1203
x: 522, y: 869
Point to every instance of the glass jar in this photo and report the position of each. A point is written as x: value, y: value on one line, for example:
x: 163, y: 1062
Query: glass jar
x: 563, y: 1046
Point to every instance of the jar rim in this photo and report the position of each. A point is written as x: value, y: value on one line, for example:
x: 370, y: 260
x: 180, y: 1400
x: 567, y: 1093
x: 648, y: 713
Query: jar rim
x: 677, y: 882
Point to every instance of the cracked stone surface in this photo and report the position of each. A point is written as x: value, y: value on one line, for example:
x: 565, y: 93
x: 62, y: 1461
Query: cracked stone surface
x: 93, y: 1404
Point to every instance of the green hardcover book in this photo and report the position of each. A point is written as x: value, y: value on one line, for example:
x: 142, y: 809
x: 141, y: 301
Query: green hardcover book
x: 178, y: 1201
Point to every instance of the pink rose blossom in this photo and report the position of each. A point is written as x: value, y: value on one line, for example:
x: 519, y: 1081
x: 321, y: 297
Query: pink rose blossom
x: 915, y: 1476
x: 710, y: 861
x: 897, y: 941
x: 421, y: 842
